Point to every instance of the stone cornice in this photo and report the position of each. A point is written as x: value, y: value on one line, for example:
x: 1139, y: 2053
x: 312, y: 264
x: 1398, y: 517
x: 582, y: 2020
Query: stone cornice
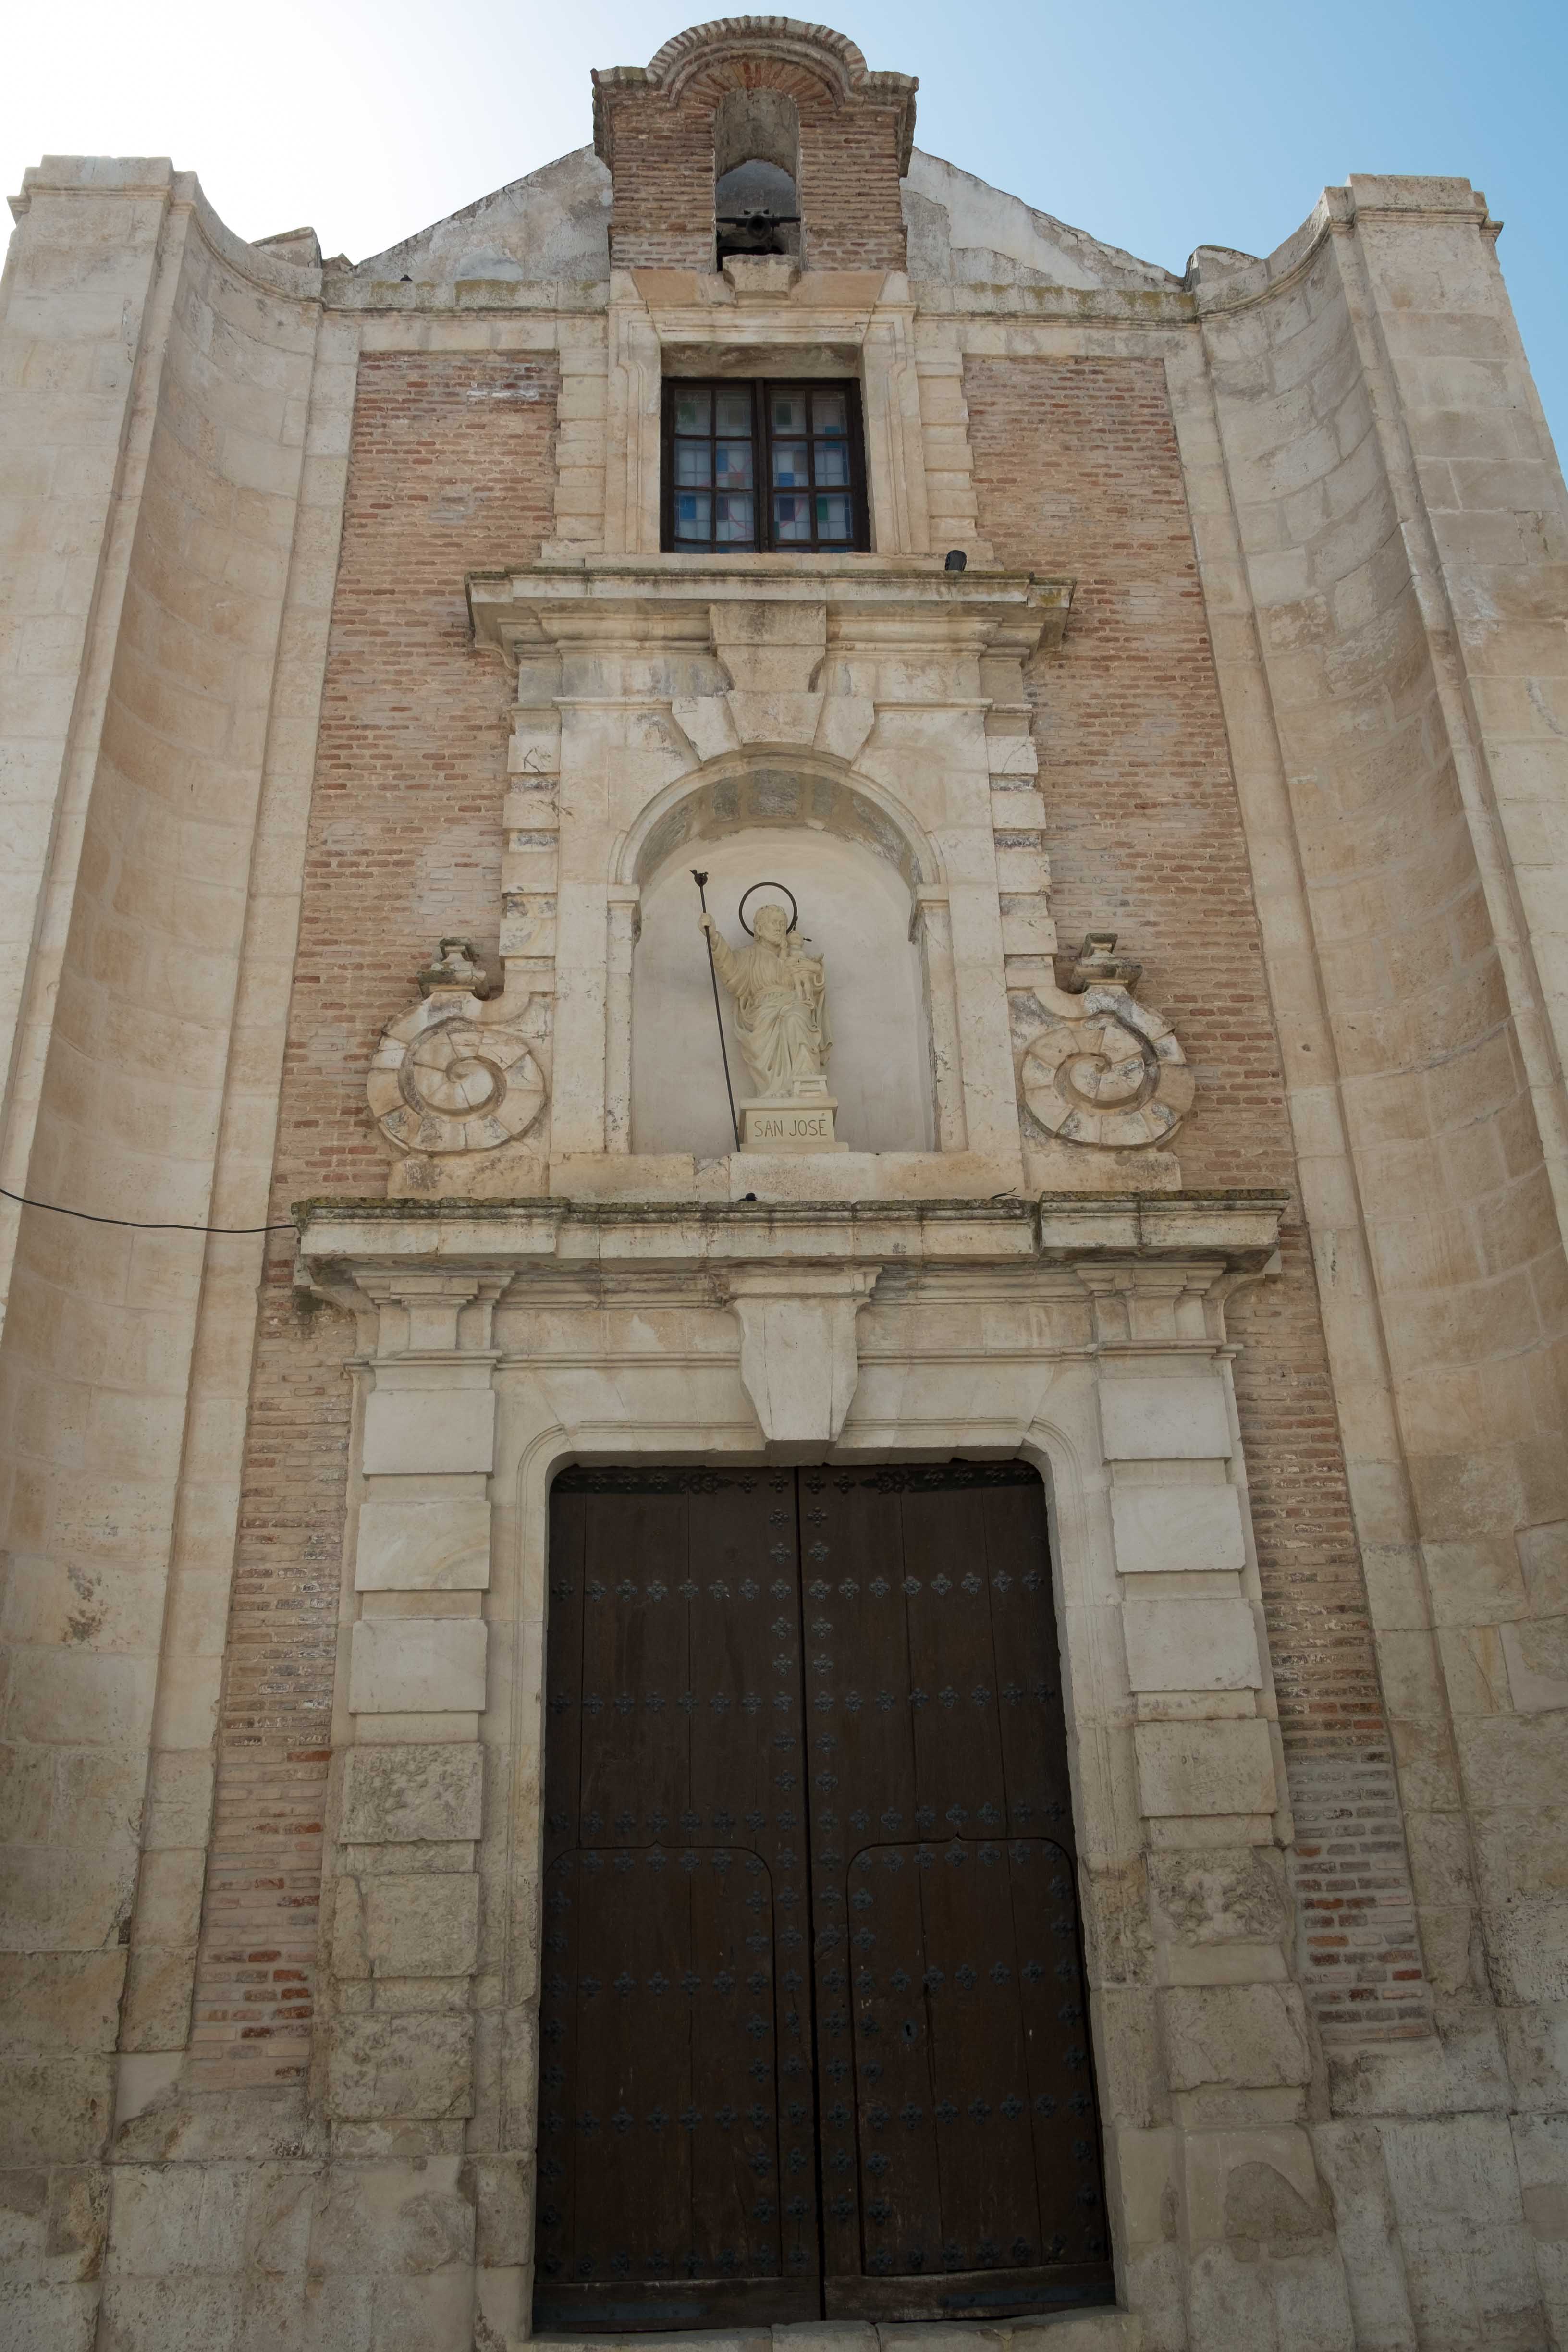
x: 673, y: 594
x: 1240, y: 1228
x: 1235, y: 1232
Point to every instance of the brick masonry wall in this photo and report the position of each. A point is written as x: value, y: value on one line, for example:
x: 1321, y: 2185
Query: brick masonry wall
x: 451, y: 468
x: 661, y: 204
x: 1078, y: 474
x: 662, y: 175
x: 850, y: 194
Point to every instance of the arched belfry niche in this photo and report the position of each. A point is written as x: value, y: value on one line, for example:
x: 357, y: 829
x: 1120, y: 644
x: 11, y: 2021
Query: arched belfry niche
x: 855, y: 866
x: 757, y: 174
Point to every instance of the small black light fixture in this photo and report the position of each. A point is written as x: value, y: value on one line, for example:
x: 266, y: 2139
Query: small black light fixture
x: 956, y: 560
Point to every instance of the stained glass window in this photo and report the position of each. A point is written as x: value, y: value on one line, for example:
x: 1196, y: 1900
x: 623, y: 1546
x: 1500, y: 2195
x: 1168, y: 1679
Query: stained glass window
x: 754, y: 467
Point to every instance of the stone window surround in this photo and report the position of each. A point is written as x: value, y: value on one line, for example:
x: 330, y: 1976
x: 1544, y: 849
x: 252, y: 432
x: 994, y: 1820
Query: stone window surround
x: 761, y: 316
x: 1095, y: 1329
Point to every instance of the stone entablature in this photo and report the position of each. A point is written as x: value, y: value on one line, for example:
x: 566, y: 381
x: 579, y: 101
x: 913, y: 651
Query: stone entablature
x: 1238, y: 1232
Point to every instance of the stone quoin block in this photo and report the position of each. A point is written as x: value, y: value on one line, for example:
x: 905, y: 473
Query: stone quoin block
x: 1165, y: 1420
x: 400, y: 1795
x: 1191, y: 1645
x: 1177, y: 1530
x: 418, y: 1666
x: 407, y: 2066
x: 425, y: 1925
x: 1240, y: 2036
x: 1201, y: 1768
x: 437, y: 1545
x: 445, y: 1428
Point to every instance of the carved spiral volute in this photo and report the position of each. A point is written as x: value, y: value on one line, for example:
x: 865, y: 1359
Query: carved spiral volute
x: 444, y: 1081
x: 1113, y: 1076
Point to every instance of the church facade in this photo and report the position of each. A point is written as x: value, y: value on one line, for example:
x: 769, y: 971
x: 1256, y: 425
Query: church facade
x: 782, y: 1402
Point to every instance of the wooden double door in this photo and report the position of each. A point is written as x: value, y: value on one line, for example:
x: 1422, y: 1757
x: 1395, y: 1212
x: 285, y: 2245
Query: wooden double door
x: 815, y: 2031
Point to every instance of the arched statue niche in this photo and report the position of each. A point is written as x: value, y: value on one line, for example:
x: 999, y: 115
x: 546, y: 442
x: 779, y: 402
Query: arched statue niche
x: 854, y: 874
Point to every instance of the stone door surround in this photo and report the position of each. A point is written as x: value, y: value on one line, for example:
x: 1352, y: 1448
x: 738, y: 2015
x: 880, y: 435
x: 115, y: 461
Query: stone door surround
x: 503, y: 1341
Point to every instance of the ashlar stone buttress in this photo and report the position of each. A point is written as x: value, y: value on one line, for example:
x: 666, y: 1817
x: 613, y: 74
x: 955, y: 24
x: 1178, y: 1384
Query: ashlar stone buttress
x: 781, y: 1394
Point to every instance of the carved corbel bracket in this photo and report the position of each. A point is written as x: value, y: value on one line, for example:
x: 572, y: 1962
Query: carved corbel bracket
x: 432, y: 1311
x: 800, y: 1361
x: 1096, y: 964
x: 771, y: 653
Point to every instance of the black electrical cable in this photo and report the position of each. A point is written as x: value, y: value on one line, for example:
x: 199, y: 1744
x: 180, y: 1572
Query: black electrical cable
x: 141, y: 1226
x: 138, y: 1225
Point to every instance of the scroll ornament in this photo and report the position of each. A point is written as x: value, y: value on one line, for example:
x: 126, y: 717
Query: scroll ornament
x: 452, y: 1075
x: 1112, y: 1076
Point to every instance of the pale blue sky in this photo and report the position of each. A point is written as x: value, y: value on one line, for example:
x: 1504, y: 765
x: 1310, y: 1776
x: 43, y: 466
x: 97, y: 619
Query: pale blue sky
x: 1155, y: 127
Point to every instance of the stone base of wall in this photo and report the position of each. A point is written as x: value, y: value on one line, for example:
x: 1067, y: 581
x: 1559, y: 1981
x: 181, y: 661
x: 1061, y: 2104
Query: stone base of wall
x: 231, y: 2228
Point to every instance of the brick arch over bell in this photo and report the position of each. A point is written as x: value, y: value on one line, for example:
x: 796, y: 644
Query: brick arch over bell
x: 758, y: 50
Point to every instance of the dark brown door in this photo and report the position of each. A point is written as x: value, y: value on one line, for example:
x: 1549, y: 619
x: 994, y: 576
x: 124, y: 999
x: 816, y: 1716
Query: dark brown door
x: 814, y: 2023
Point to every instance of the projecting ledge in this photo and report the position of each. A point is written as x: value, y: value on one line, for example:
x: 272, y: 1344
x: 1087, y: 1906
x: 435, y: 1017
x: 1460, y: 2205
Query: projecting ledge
x: 673, y: 597
x: 1105, y: 2330
x: 1233, y: 1232
x: 1240, y: 1229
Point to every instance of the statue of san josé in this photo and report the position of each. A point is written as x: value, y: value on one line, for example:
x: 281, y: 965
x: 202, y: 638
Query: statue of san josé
x: 781, y: 1006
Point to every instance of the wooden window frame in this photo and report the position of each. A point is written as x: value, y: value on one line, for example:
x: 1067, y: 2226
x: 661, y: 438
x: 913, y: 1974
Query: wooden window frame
x: 759, y: 387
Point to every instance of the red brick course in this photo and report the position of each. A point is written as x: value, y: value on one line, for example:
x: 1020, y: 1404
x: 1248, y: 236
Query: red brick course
x: 1078, y: 474
x: 451, y: 468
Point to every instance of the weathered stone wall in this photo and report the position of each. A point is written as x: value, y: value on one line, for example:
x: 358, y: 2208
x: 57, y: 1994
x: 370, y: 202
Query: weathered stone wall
x: 114, y: 1420
x: 1432, y: 1026
x: 1078, y: 472
x: 82, y: 337
x: 1356, y: 651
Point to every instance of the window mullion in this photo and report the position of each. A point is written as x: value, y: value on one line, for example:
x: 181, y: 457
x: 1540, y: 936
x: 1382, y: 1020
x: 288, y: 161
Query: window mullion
x: 759, y: 414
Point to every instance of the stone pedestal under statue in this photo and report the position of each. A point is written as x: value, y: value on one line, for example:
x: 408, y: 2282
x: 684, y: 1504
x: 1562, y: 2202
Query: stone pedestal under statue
x: 799, y: 1122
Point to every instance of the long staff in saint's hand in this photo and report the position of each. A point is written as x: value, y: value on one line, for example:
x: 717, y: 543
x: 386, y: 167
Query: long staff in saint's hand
x: 701, y: 882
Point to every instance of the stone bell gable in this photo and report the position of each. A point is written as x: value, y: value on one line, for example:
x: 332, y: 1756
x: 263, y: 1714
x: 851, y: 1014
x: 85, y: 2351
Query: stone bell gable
x: 799, y: 92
